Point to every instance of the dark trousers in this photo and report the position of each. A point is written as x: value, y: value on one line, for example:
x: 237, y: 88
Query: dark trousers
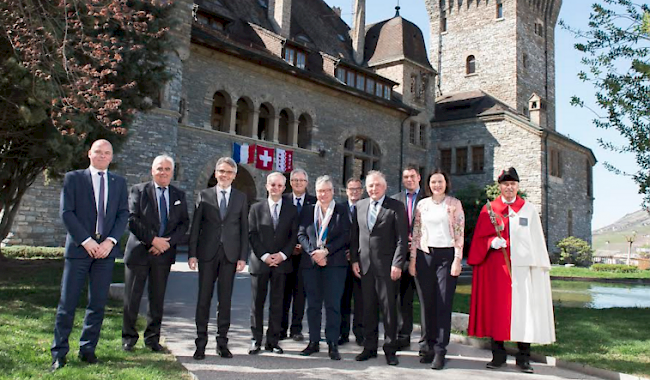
x: 75, y: 271
x: 436, y: 288
x: 294, y: 293
x: 135, y: 277
x: 379, y: 293
x: 352, y: 291
x: 405, y: 307
x: 221, y: 271
x: 324, y: 285
x: 259, y: 288
x: 499, y: 354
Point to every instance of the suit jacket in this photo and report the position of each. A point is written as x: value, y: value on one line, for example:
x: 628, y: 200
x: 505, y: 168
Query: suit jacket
x: 144, y: 224
x: 209, y: 232
x: 401, y: 196
x: 79, y: 211
x: 387, y: 244
x: 337, y: 241
x: 265, y: 239
x: 309, y: 200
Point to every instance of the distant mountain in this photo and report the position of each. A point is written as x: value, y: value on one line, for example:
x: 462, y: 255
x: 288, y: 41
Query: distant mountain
x: 613, y: 238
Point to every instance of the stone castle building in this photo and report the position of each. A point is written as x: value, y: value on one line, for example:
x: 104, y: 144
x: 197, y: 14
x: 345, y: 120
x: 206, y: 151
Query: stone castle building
x: 292, y: 75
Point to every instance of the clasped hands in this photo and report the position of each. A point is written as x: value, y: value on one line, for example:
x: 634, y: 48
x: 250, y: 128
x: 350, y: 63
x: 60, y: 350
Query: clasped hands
x: 319, y: 256
x: 98, y: 250
x: 274, y: 259
x: 159, y: 245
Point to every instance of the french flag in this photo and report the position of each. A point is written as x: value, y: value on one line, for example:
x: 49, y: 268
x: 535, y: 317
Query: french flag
x: 243, y: 153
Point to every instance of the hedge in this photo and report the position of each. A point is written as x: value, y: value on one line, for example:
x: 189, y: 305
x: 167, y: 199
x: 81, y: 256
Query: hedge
x: 616, y: 268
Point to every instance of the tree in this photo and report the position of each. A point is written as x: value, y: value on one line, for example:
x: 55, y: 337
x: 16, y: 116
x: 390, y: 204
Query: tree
x: 576, y: 251
x: 616, y: 47
x: 72, y: 71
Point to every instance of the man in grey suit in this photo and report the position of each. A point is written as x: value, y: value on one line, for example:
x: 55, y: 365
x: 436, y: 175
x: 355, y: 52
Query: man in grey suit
x: 273, y: 227
x: 158, y: 221
x: 219, y: 245
x: 410, y: 197
x: 378, y: 248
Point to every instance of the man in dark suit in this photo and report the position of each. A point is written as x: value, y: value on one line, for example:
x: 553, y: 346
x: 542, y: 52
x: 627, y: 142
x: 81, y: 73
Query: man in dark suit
x: 219, y: 244
x: 378, y: 248
x: 410, y: 197
x: 273, y: 226
x: 94, y: 209
x: 158, y: 221
x: 354, y: 191
x: 294, y: 291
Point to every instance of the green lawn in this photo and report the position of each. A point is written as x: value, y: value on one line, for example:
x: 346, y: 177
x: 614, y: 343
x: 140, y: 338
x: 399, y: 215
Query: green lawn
x: 562, y: 271
x: 29, y: 292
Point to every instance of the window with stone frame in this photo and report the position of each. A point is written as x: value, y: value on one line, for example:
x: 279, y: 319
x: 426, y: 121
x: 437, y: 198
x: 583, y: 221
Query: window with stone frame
x: 443, y: 21
x: 539, y: 28
x: 499, y: 5
x: 478, y: 159
x: 423, y: 135
x: 360, y: 155
x: 412, y: 133
x: 470, y: 65
x: 461, y: 160
x: 210, y: 21
x: 445, y: 160
x: 569, y: 223
x: 361, y: 82
x: 555, y: 163
x: 589, y: 178
x: 295, y: 56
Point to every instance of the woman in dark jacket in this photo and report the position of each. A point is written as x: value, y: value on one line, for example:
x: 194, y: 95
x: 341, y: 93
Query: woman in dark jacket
x: 324, y: 235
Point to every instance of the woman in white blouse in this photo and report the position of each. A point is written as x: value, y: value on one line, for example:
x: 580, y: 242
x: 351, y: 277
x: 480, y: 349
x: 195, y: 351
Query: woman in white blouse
x: 436, y: 254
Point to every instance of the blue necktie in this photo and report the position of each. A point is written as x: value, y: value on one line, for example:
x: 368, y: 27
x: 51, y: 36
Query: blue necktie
x: 372, y: 215
x: 101, y: 213
x: 298, y: 205
x: 163, y: 211
x: 222, y: 205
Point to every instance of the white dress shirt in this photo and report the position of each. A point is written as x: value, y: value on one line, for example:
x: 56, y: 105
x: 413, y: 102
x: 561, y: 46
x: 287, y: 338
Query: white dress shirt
x: 94, y: 176
x: 220, y: 195
x: 272, y: 204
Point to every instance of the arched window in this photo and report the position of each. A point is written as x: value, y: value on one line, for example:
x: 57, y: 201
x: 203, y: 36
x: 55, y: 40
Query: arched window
x: 244, y: 118
x: 265, y: 123
x: 470, y: 65
x: 360, y: 155
x: 284, y: 125
x: 220, y: 118
x: 304, y: 131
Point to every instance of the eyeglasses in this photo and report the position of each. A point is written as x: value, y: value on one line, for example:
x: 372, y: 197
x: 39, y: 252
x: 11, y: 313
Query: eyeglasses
x: 229, y: 172
x: 355, y: 189
x: 323, y: 191
x: 298, y: 180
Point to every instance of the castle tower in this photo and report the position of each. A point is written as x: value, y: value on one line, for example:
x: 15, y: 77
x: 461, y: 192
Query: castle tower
x: 503, y: 47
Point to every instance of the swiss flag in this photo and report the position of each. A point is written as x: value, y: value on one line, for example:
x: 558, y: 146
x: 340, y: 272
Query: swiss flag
x: 264, y: 158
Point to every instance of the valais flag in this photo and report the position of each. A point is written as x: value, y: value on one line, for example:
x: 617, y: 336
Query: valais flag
x: 264, y: 158
x: 283, y: 160
x: 243, y: 153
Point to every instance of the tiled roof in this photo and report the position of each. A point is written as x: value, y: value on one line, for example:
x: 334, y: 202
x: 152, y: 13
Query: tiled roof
x: 395, y: 39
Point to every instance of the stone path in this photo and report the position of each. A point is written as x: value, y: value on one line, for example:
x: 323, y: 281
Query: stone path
x: 179, y: 332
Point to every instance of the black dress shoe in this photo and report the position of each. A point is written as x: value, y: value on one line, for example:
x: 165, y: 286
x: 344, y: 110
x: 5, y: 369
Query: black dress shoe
x: 255, y: 348
x: 128, y: 347
x: 88, y: 357
x: 525, y: 367
x: 343, y: 340
x: 403, y: 344
x: 155, y: 347
x: 311, y: 348
x: 438, y: 362
x: 333, y: 352
x: 298, y: 337
x: 199, y: 354
x: 427, y: 358
x: 274, y: 347
x: 494, y: 364
x: 224, y: 352
x: 365, y: 355
x: 422, y: 352
x: 360, y: 341
x: 57, y: 364
x: 391, y: 359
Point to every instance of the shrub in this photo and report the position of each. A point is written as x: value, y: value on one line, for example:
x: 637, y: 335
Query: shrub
x: 576, y: 251
x: 616, y: 268
x: 28, y: 252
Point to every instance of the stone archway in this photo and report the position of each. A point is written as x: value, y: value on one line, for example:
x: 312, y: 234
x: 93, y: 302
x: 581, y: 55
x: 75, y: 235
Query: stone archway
x: 243, y: 182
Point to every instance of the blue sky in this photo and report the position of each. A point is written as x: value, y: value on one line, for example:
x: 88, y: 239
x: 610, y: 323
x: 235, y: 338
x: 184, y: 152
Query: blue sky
x: 615, y: 196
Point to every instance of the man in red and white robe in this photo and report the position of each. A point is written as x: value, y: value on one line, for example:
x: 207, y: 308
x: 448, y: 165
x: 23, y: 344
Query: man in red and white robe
x: 505, y: 308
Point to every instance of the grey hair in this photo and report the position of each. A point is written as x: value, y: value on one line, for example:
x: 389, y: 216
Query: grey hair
x: 322, y: 180
x: 228, y: 161
x: 377, y: 173
x: 299, y: 171
x: 163, y: 157
x: 276, y: 174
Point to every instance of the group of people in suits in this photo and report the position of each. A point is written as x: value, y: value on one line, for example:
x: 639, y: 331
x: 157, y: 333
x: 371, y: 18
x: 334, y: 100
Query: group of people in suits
x: 376, y: 251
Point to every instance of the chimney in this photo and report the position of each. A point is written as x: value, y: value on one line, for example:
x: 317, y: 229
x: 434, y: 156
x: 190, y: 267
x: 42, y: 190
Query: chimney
x: 537, y: 110
x: 359, y: 30
x: 337, y: 10
x: 280, y: 16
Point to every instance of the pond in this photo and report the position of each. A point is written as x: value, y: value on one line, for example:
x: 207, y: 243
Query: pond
x: 599, y: 295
